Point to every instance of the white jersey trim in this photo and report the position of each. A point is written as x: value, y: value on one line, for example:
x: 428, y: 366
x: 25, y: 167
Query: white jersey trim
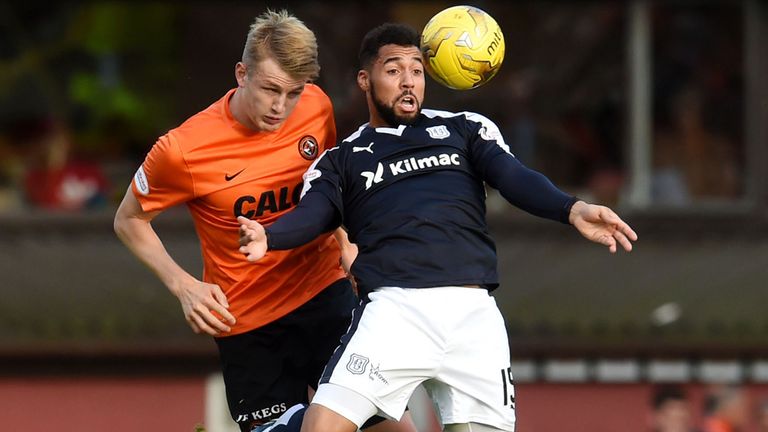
x: 313, y: 173
x: 489, y: 131
x: 356, y: 134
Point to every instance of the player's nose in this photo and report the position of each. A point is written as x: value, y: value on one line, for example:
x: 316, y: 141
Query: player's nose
x: 407, y: 80
x: 278, y: 104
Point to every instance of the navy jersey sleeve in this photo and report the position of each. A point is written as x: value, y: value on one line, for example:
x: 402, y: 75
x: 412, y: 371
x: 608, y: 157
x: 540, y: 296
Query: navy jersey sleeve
x: 324, y: 177
x: 518, y: 184
x: 318, y: 211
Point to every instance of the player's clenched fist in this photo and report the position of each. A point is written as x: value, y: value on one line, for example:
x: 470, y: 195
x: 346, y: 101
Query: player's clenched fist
x: 253, y: 239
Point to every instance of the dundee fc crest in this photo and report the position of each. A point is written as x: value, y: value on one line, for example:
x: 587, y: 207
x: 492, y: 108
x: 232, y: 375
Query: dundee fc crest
x: 357, y: 364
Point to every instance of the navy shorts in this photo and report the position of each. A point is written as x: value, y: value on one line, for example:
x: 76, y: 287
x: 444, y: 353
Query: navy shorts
x: 267, y: 370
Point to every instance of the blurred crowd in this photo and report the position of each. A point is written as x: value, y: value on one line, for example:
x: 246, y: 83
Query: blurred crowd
x: 723, y: 408
x: 83, y: 95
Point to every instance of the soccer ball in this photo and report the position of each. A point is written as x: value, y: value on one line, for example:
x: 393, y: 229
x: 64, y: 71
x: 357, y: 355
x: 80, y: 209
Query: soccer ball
x: 463, y: 47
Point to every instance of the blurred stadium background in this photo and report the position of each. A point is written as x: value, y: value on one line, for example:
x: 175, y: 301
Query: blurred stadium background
x: 658, y: 108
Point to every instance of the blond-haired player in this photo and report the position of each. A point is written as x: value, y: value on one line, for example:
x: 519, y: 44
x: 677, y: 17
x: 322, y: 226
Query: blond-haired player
x: 275, y: 323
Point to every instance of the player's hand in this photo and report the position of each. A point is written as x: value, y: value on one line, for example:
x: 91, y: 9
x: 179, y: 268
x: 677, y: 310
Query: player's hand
x: 601, y: 225
x: 253, y: 239
x: 348, y: 250
x: 348, y: 254
x: 205, y: 307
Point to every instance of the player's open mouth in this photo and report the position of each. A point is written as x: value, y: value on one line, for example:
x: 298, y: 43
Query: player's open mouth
x: 407, y: 103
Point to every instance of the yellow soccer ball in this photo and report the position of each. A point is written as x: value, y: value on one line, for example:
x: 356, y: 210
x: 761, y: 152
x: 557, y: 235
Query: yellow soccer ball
x: 463, y: 47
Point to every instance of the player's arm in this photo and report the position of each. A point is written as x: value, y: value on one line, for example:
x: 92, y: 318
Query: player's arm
x: 521, y: 186
x: 314, y: 215
x: 528, y: 189
x: 348, y: 250
x: 198, y: 299
x: 319, y: 211
x: 535, y: 193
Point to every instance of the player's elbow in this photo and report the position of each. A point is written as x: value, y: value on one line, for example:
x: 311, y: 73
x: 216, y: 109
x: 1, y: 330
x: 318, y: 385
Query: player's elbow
x: 120, y: 224
x: 130, y: 217
x: 124, y: 222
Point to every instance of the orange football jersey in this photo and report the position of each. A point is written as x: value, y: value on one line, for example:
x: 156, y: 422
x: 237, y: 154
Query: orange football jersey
x: 222, y: 170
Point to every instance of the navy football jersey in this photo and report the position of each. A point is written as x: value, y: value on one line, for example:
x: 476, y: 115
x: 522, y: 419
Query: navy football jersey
x: 413, y: 199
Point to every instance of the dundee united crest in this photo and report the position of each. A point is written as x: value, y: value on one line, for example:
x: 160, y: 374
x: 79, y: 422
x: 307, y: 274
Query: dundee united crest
x: 357, y: 364
x: 308, y: 147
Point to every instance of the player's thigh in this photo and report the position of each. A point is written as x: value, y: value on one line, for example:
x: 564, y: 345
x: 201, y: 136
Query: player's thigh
x: 381, y: 424
x: 269, y: 369
x: 386, y: 353
x: 258, y: 385
x: 318, y: 327
x: 474, y: 383
x: 331, y: 321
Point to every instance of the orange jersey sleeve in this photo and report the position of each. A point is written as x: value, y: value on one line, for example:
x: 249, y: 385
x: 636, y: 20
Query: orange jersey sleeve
x: 171, y: 180
x: 222, y: 170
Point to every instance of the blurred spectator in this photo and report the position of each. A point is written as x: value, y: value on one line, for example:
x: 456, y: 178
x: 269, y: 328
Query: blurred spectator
x: 698, y: 102
x: 691, y: 161
x: 726, y: 409
x: 54, y: 178
x: 671, y: 410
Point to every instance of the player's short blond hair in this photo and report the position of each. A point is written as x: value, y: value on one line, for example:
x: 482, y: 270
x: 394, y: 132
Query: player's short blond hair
x: 284, y: 38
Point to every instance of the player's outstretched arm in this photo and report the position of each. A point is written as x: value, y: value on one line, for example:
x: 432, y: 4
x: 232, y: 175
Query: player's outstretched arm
x: 314, y: 215
x: 602, y: 225
x: 200, y: 301
x: 253, y: 239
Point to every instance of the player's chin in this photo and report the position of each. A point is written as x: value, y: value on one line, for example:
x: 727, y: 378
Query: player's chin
x: 270, y: 126
x: 408, y: 119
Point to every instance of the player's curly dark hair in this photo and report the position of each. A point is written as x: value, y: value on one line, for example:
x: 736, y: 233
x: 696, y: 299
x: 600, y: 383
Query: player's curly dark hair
x: 385, y: 34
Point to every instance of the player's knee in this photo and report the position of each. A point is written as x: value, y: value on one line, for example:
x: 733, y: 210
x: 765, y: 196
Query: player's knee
x: 381, y: 424
x: 320, y: 419
x: 470, y: 427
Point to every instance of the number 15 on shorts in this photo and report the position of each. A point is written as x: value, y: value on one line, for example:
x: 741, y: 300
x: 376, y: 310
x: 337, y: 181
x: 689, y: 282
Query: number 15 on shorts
x: 509, y: 388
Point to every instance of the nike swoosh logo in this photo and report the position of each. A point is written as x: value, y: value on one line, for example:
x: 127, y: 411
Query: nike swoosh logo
x: 228, y: 177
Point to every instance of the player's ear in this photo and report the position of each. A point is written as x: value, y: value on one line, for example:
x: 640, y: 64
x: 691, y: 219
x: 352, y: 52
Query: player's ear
x: 241, y: 73
x: 363, y: 80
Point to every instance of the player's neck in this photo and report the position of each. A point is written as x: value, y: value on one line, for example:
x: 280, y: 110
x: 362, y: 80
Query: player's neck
x: 374, y: 123
x: 237, y: 109
x: 375, y: 120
